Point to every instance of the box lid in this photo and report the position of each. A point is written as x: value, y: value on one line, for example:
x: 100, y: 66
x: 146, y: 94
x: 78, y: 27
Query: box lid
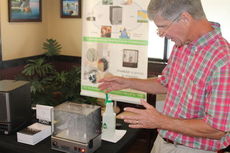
x: 72, y: 107
x: 9, y: 85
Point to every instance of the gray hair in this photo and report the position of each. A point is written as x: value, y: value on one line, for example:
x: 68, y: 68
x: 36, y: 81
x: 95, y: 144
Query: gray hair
x: 171, y: 9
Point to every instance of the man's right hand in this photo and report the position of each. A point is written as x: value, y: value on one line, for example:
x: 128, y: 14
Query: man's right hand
x: 109, y: 84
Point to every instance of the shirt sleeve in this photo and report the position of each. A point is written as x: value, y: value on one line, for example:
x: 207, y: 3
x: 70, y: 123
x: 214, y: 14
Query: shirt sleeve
x: 218, y: 100
x: 163, y: 78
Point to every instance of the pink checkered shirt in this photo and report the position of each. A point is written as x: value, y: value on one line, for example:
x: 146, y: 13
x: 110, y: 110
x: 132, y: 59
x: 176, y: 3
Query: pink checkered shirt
x: 198, y: 80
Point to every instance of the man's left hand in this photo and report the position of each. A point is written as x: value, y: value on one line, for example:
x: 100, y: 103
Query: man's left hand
x: 143, y: 118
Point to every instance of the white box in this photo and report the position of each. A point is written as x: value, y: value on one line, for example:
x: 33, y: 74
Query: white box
x: 44, y: 112
x: 34, y: 133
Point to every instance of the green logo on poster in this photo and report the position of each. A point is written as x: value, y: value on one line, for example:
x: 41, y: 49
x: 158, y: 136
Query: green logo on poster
x: 105, y: 126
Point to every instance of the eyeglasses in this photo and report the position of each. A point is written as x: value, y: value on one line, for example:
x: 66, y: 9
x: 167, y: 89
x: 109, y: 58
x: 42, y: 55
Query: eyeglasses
x: 162, y: 30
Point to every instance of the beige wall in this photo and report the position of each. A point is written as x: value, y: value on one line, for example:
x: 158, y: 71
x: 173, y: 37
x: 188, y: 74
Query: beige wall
x: 67, y: 31
x: 21, y: 39
x: 24, y: 39
x: 220, y: 15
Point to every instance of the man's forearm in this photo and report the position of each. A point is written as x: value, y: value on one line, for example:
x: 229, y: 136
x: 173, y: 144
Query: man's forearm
x: 150, y: 85
x: 191, y: 127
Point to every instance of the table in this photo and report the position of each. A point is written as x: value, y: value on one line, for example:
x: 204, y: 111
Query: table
x: 8, y: 143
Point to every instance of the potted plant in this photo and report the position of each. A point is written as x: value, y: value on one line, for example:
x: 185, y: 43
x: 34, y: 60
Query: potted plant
x: 48, y: 85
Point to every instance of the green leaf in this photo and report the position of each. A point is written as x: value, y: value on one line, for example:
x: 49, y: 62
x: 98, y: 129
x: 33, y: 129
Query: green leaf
x: 38, y: 67
x: 52, y: 47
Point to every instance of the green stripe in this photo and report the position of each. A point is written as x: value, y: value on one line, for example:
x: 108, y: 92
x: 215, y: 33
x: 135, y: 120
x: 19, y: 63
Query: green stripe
x: 115, y: 41
x: 119, y: 93
x: 142, y: 21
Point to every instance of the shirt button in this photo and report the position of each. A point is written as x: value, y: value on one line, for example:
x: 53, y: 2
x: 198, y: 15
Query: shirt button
x: 189, y: 97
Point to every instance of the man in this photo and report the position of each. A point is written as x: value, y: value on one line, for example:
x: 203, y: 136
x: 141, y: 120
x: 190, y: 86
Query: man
x: 196, y: 115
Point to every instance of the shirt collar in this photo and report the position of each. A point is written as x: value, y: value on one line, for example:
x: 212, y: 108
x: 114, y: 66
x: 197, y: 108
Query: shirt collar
x: 205, y: 39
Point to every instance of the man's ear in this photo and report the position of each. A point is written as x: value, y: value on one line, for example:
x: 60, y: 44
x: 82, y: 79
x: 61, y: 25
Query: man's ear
x: 186, y: 18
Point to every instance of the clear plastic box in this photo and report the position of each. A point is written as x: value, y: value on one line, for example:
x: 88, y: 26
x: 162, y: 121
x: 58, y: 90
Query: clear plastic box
x: 76, y: 122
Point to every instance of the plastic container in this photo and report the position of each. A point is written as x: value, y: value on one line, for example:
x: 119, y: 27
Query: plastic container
x: 108, y: 117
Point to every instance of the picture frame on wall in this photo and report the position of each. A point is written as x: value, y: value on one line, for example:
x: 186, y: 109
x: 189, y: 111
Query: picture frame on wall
x: 70, y: 8
x: 25, y: 10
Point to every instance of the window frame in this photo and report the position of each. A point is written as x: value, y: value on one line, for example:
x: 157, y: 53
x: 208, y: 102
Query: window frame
x: 165, y: 54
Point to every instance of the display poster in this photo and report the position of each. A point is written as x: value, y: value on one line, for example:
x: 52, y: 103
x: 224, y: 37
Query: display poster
x: 115, y: 42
